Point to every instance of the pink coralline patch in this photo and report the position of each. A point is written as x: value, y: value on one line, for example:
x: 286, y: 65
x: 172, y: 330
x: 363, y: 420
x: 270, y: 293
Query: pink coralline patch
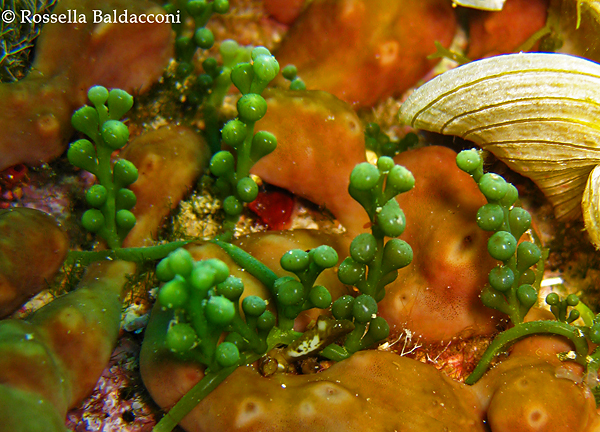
x: 437, y: 295
x: 363, y: 51
x: 111, y: 407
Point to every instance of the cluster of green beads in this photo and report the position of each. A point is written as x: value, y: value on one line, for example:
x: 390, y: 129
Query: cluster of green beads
x: 110, y: 217
x: 512, y: 285
x: 379, y: 142
x: 233, y: 177
x: 559, y: 307
x: 186, y: 44
x: 290, y: 73
x: 296, y: 294
x: 373, y: 262
x: 205, y: 301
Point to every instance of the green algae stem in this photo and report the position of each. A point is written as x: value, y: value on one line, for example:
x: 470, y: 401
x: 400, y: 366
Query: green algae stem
x: 521, y: 330
x: 137, y: 255
x: 192, y: 398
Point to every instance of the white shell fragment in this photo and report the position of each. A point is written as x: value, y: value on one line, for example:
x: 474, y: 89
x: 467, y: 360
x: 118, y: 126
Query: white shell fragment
x: 591, y: 206
x: 537, y: 112
x: 491, y: 5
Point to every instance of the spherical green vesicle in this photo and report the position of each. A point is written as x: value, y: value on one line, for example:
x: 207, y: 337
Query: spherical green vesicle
x: 204, y: 38
x: 247, y: 189
x: 324, y: 256
x: 232, y: 288
x: 82, y: 154
x: 221, y: 6
x: 164, y: 273
x: 363, y: 248
x: 573, y: 316
x: 196, y: 7
x: 490, y: 217
x: 93, y: 220
x: 527, y: 277
x: 320, y: 297
x: 528, y: 254
x: 124, y: 173
x: 295, y: 260
x: 232, y: 206
x: 234, y: 133
x: 211, y: 67
x: 242, y: 76
x: 572, y: 300
x: 227, y: 354
x: 222, y: 163
x: 290, y: 292
x: 266, y: 321
x: 252, y: 107
x: 527, y: 295
x: 263, y: 143
x: 342, y: 307
x: 119, y: 102
x: 181, y: 262
x: 397, y: 254
x: 364, y: 308
x: 265, y: 67
x: 379, y: 329
x: 96, y: 196
x: 289, y: 72
x: 184, y: 69
x: 115, y: 134
x: 173, y: 294
x: 297, y: 84
x: 219, y: 310
x: 202, y: 277
x: 364, y: 176
x: 180, y: 338
x: 400, y: 179
x: 125, y: 220
x: 520, y: 221
x: 512, y: 194
x: 372, y: 129
x: 253, y: 306
x: 552, y: 299
x: 502, y: 245
x: 391, y: 219
x: 259, y: 51
x: 236, y: 339
x: 351, y: 272
x: 221, y: 270
x: 85, y: 120
x: 492, y: 299
x: 200, y: 89
x: 125, y: 199
x: 98, y: 95
x: 385, y: 164
x: 501, y: 278
x: 228, y: 49
x: 468, y: 160
x: 493, y: 187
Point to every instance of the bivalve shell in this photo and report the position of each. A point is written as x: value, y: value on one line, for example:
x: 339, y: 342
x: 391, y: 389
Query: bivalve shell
x: 537, y: 112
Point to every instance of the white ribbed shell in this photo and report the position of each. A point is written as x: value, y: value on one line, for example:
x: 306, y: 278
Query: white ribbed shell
x: 537, y: 112
x: 492, y: 5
